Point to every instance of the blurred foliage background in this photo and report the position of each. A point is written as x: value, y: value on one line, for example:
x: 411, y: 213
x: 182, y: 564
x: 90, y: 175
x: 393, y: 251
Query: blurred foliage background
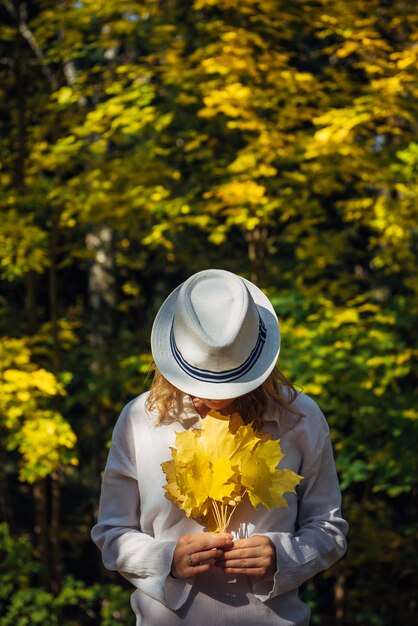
x: 144, y: 141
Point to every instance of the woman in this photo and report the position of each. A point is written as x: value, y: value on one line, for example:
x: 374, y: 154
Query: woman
x: 215, y: 343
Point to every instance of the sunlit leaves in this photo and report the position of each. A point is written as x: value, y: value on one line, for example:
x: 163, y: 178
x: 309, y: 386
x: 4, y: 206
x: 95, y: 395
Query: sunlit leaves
x: 23, y: 245
x: 42, y: 436
x: 358, y: 353
x: 46, y: 442
x: 214, y: 467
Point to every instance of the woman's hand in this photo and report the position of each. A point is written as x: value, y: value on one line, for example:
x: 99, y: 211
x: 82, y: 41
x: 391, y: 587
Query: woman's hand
x: 254, y: 556
x: 195, y: 554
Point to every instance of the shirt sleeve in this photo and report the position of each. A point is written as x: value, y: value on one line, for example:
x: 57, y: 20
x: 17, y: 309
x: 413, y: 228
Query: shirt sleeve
x: 140, y: 558
x: 320, y: 540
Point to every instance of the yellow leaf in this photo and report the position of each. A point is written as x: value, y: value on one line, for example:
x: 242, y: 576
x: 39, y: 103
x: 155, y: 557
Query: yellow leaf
x: 207, y: 479
x: 214, y: 467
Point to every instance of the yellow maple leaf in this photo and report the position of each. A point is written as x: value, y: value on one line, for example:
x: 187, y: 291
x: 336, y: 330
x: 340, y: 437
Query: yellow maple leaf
x: 175, y: 484
x: 215, y: 466
x: 207, y: 479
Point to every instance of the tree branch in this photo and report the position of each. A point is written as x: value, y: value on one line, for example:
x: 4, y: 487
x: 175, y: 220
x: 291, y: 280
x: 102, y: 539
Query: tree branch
x: 27, y: 34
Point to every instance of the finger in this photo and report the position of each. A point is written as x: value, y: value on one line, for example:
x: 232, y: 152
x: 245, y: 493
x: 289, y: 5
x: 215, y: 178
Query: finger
x: 261, y: 566
x: 196, y: 553
x: 188, y: 565
x: 247, y: 548
x: 210, y: 556
x: 188, y: 571
x: 253, y: 541
x: 259, y: 572
x: 208, y: 540
x: 197, y: 569
x: 202, y: 543
x: 242, y: 553
x: 244, y: 562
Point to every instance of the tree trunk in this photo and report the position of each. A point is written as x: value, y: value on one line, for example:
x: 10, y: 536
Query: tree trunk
x: 6, y: 510
x: 257, y: 250
x: 102, y: 296
x: 31, y: 299
x: 41, y: 529
x: 102, y: 302
x: 55, y: 540
x: 20, y: 111
x: 20, y: 124
x: 53, y: 290
x: 339, y: 595
x: 40, y: 488
x: 47, y: 502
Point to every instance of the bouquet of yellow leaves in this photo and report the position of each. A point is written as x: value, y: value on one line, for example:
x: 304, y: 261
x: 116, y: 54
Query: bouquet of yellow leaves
x: 214, y: 467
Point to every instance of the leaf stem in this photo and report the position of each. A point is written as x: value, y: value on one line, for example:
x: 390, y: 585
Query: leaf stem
x: 222, y: 514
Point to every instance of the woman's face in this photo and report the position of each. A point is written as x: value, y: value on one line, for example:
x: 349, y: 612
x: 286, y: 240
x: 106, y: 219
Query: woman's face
x: 217, y: 404
x: 204, y: 405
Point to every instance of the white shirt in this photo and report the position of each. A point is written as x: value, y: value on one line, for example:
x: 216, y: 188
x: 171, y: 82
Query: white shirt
x: 138, y: 527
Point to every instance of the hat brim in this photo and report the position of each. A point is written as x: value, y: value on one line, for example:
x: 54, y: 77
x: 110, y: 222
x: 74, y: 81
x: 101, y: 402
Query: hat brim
x: 169, y: 368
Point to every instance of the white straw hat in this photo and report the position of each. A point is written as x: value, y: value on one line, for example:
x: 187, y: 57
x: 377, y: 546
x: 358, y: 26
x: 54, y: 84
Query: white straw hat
x: 216, y: 336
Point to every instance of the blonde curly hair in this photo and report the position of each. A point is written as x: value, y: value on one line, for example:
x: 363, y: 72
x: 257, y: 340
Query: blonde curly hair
x: 167, y: 401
